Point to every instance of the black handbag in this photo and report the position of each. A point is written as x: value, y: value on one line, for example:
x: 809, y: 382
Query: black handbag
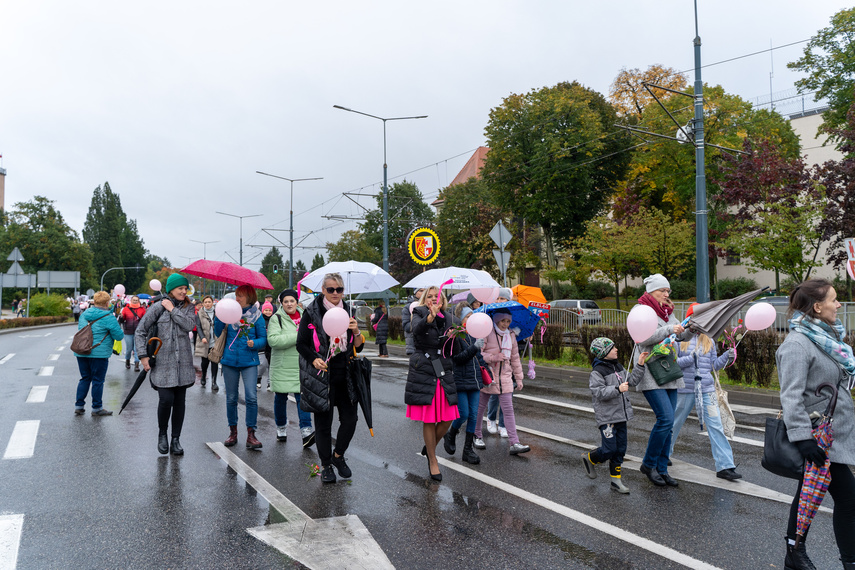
x: 780, y: 455
x: 664, y: 368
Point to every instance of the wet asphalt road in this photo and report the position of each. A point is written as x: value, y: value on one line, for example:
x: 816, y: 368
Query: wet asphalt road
x: 96, y: 494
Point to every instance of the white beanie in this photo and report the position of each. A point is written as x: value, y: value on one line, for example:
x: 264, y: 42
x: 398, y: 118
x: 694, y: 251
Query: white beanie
x: 655, y: 282
x: 506, y: 293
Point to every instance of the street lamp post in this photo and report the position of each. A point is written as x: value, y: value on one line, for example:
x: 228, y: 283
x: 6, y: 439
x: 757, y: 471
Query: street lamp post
x: 702, y: 269
x: 204, y: 256
x: 241, y: 230
x: 385, y: 187
x: 291, y: 246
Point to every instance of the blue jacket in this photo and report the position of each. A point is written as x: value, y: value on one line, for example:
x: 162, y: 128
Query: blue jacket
x: 107, y: 329
x: 706, y: 362
x: 239, y: 355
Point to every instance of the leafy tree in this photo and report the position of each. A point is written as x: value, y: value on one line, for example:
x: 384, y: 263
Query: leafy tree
x: 629, y: 96
x: 318, y: 261
x: 464, y: 223
x: 829, y: 62
x: 47, y: 243
x: 554, y: 159
x: 668, y: 244
x: 274, y: 257
x: 133, y: 254
x: 353, y: 245
x: 610, y: 248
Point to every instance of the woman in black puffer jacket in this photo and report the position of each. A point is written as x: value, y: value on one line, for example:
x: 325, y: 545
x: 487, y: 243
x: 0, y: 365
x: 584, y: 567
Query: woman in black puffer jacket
x: 431, y: 393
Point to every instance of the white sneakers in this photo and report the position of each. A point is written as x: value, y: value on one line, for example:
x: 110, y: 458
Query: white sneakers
x: 479, y: 443
x: 491, y: 427
x: 280, y: 433
x: 503, y: 432
x: 518, y: 448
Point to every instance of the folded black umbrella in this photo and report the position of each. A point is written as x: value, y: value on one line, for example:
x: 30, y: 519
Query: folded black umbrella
x: 359, y: 370
x: 151, y: 352
x: 713, y: 317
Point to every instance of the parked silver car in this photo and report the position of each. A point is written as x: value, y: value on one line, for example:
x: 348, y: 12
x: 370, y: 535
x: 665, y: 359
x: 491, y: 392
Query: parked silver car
x: 588, y: 311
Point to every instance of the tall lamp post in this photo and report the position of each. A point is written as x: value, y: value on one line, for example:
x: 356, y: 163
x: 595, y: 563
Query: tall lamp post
x: 702, y: 254
x: 241, y: 230
x: 204, y: 256
x: 385, y: 187
x: 291, y: 246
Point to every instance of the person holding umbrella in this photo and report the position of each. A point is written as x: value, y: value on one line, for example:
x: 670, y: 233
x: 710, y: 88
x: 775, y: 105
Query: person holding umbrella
x: 285, y: 366
x: 324, y: 378
x: 431, y: 393
x: 240, y: 360
x: 814, y: 353
x: 171, y: 319
x: 93, y: 366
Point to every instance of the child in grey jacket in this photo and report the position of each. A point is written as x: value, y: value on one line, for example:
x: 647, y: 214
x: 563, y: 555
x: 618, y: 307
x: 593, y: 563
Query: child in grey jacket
x: 609, y: 383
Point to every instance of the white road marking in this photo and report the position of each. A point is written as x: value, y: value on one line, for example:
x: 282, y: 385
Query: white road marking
x: 22, y: 444
x: 53, y: 357
x: 45, y: 371
x: 38, y: 394
x: 614, y: 531
x: 10, y: 540
x: 738, y: 439
x: 60, y: 348
x: 7, y: 358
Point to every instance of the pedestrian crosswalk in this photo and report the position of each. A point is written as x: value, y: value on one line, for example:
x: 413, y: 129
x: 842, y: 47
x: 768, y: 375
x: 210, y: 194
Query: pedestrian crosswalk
x: 22, y: 444
x: 10, y: 539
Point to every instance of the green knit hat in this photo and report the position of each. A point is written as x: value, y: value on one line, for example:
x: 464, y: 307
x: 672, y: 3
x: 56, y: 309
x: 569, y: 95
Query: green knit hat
x: 175, y: 280
x: 601, y: 347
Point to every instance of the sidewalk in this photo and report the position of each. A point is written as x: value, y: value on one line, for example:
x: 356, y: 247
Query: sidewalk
x: 737, y: 395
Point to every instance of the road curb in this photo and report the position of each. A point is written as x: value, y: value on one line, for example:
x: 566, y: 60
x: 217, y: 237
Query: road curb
x: 34, y: 328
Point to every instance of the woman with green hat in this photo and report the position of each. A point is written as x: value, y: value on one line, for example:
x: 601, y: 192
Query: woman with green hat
x: 170, y: 319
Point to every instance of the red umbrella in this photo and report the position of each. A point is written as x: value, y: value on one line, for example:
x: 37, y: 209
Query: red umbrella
x: 817, y: 477
x: 227, y: 273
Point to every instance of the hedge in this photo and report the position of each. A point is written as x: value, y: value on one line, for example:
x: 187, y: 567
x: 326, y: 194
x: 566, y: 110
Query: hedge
x: 550, y: 346
x: 31, y: 322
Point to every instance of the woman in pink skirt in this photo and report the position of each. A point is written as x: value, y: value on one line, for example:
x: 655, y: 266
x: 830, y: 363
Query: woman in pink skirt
x: 431, y: 394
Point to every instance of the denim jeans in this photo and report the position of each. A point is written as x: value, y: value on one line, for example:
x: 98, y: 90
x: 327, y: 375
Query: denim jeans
x: 663, y: 403
x: 493, y: 409
x: 130, y: 348
x: 231, y: 377
x: 467, y: 404
x: 280, y: 411
x: 721, y: 451
x: 92, y: 372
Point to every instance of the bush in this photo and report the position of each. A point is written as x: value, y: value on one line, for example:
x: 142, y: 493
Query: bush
x: 44, y: 305
x: 619, y: 335
x: 682, y: 289
x: 755, y: 362
x: 565, y: 291
x: 598, y: 290
x: 396, y: 328
x: 729, y: 288
x: 631, y: 292
x: 31, y: 322
x: 553, y: 341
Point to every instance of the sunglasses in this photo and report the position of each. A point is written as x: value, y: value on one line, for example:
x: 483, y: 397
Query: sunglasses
x: 332, y: 290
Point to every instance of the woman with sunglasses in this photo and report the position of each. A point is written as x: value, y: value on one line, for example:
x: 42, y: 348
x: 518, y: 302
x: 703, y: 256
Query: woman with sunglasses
x: 323, y: 379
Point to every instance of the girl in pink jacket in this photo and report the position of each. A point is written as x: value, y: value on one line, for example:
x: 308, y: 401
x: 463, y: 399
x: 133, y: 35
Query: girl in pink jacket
x: 502, y: 355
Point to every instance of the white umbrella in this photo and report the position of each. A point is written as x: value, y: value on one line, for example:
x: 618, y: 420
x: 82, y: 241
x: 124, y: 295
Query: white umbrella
x: 359, y: 277
x: 464, y: 278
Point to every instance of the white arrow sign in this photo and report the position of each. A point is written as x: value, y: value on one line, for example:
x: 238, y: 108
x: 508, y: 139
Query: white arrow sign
x: 322, y: 543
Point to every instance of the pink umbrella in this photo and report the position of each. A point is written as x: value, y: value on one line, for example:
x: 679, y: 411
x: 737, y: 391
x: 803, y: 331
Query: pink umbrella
x: 227, y: 273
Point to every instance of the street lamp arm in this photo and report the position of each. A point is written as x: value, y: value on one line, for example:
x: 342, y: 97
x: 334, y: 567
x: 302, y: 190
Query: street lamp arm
x: 112, y: 268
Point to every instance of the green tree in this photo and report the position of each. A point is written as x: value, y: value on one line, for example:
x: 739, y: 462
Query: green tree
x: 465, y: 219
x: 318, y: 261
x: 133, y: 254
x: 279, y: 280
x: 353, y: 245
x: 610, y: 248
x: 554, y: 159
x: 47, y: 243
x: 629, y: 95
x: 666, y: 245
x: 829, y: 62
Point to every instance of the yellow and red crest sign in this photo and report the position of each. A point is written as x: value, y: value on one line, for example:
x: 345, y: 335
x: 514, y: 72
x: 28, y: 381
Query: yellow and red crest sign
x: 423, y: 245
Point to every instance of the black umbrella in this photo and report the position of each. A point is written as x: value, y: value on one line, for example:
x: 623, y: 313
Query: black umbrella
x: 713, y: 317
x: 151, y: 353
x: 360, y: 376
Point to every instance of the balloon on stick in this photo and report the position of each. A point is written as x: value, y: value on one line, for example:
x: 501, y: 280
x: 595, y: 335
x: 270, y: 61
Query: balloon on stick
x: 486, y: 295
x: 479, y: 325
x: 760, y: 316
x: 336, y: 321
x: 641, y: 322
x: 228, y: 311
x: 155, y: 285
x: 119, y: 290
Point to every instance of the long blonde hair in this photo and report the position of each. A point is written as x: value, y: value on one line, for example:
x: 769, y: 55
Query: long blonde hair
x: 705, y: 342
x: 441, y: 297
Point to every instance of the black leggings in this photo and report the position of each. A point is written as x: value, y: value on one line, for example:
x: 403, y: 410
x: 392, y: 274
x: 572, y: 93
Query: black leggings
x: 842, y: 490
x: 171, y: 401
x: 347, y: 418
x: 205, y: 363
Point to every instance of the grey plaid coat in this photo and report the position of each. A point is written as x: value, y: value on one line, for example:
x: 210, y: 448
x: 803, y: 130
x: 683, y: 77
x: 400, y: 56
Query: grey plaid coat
x: 174, y: 367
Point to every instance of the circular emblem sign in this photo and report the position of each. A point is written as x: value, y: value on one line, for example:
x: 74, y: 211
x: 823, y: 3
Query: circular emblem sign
x: 423, y: 245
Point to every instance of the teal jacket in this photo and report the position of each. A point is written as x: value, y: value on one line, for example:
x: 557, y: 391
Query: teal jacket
x: 107, y: 329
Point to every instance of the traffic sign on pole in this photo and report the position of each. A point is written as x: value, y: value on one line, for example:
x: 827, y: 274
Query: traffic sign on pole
x: 15, y: 255
x: 500, y: 235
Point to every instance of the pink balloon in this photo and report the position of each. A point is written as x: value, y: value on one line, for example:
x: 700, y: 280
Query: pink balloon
x: 84, y: 305
x: 336, y: 321
x: 119, y: 290
x: 228, y: 311
x: 760, y: 316
x: 486, y: 295
x: 641, y: 322
x: 479, y: 325
x: 155, y: 285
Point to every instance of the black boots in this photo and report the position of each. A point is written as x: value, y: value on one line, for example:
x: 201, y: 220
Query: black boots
x: 797, y: 558
x: 175, y: 446
x: 162, y: 444
x: 232, y: 439
x: 450, y: 440
x: 204, y: 379
x: 469, y: 455
x: 128, y: 364
x: 214, y: 386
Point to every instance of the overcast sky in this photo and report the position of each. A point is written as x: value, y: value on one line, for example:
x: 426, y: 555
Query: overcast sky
x: 177, y: 104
